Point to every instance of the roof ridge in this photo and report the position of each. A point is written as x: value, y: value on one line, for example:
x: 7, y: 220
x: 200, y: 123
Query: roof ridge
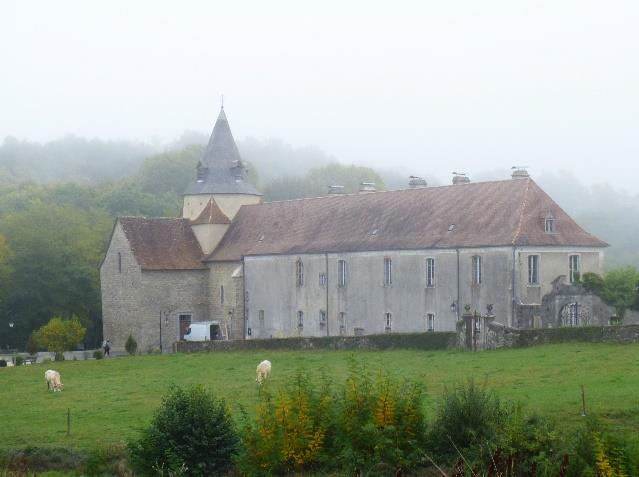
x: 351, y: 194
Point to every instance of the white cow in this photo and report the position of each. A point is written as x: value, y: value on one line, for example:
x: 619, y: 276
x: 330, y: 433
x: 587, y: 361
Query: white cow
x: 53, y: 380
x: 263, y: 371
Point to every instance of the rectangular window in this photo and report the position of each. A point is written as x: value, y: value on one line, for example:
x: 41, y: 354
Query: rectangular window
x: 342, y: 321
x: 533, y: 269
x: 260, y: 316
x: 549, y: 225
x: 221, y: 294
x: 430, y: 322
x: 388, y: 321
x: 299, y: 273
x: 476, y: 270
x: 341, y: 273
x: 322, y: 280
x: 388, y: 272
x: 574, y: 268
x: 119, y: 262
x: 322, y: 318
x: 430, y: 272
x: 300, y: 319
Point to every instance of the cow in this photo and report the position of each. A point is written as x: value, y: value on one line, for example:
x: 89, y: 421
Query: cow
x: 263, y: 371
x: 53, y: 380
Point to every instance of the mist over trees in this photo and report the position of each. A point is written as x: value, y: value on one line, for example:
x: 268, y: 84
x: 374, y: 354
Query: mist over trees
x: 58, y: 202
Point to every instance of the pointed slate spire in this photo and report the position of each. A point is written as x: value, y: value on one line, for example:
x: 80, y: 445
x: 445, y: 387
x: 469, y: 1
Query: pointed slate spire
x: 221, y: 170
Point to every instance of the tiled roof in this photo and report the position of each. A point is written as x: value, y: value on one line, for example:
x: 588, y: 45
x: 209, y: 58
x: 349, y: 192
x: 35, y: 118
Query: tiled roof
x: 163, y: 243
x: 499, y: 213
x: 211, y: 215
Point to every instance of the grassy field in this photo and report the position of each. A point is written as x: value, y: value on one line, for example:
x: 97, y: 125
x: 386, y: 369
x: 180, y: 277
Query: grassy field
x: 111, y: 399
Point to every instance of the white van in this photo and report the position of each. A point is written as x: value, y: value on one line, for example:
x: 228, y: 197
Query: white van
x: 203, y: 331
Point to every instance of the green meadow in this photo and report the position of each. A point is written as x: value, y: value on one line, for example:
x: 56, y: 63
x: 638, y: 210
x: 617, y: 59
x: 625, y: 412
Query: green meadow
x: 111, y: 399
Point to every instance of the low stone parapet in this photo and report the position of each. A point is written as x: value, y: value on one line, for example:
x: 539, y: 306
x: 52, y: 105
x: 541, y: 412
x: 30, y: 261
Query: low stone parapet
x: 423, y: 341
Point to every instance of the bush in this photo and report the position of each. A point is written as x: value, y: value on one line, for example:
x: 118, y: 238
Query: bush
x: 131, y: 346
x: 366, y: 426
x: 18, y: 360
x: 3, y: 363
x: 97, y: 354
x: 191, y: 434
x: 468, y: 419
x: 111, y: 460
x: 596, y: 451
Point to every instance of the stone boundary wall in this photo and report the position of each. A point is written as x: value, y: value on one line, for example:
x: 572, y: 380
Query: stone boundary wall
x: 422, y: 341
x: 500, y: 336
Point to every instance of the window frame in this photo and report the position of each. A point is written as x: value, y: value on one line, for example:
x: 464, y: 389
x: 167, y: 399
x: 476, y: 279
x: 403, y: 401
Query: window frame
x: 323, y: 280
x: 388, y: 321
x: 342, y: 273
x: 572, y: 271
x: 342, y: 321
x: 300, y: 319
x: 534, y: 269
x: 299, y: 273
x: 476, y: 270
x: 430, y: 272
x: 430, y: 322
x: 388, y: 271
x: 550, y: 225
x: 323, y: 318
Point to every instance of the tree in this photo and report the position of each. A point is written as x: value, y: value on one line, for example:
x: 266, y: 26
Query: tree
x: 618, y: 288
x: 60, y: 335
x: 192, y: 433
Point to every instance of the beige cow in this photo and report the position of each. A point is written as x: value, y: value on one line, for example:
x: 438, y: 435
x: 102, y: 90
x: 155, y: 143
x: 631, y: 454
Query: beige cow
x: 263, y: 371
x: 53, y: 380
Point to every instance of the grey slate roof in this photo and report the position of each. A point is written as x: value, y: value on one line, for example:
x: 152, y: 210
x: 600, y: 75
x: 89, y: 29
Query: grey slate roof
x: 221, y: 170
x: 499, y: 213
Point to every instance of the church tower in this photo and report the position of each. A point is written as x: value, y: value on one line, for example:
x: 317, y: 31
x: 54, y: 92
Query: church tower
x: 220, y: 188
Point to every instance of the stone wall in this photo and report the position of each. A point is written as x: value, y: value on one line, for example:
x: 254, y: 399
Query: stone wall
x: 422, y: 341
x: 146, y: 304
x: 500, y: 336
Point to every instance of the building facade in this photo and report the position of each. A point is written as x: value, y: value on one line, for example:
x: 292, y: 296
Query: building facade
x: 345, y: 264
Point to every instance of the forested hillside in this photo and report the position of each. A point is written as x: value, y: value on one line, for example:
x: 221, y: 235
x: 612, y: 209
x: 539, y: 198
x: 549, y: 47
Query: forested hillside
x: 58, y: 202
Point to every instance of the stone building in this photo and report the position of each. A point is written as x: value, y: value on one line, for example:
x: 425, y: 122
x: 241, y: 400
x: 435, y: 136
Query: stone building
x: 373, y: 262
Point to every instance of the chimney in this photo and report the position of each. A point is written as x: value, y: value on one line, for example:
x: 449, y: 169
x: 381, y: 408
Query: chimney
x: 367, y: 187
x: 416, y: 182
x: 519, y: 172
x: 335, y: 189
x: 460, y: 178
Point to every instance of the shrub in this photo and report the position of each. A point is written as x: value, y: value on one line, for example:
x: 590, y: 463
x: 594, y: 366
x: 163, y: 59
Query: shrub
x: 364, y: 426
x: 18, y: 360
x: 467, y: 419
x: 97, y: 354
x: 3, y: 363
x: 596, y: 451
x: 191, y: 433
x: 131, y: 346
x: 111, y: 460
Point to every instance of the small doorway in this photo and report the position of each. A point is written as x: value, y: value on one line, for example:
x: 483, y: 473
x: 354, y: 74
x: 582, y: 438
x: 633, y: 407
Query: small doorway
x: 185, y: 322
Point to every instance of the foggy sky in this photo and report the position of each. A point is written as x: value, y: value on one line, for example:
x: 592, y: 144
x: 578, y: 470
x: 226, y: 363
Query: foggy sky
x: 425, y: 86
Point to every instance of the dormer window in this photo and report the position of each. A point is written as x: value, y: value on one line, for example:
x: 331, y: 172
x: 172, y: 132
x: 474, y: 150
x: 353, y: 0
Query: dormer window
x: 550, y: 225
